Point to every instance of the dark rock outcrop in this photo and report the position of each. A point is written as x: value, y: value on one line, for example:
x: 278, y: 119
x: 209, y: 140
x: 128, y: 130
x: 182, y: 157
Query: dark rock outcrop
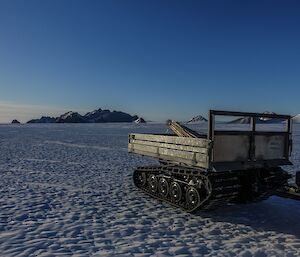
x: 43, y: 120
x: 197, y: 119
x: 71, y: 117
x: 135, y: 117
x: 140, y: 120
x: 102, y: 116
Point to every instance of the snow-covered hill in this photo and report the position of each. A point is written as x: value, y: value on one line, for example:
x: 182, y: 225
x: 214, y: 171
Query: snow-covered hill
x: 245, y: 120
x: 296, y: 118
x: 15, y: 122
x: 197, y: 119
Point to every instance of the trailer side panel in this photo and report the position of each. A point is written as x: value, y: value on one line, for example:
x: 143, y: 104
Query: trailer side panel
x: 180, y: 150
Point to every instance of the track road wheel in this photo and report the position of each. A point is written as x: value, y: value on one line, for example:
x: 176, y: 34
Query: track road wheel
x: 192, y: 197
x: 152, y: 181
x: 175, y: 191
x: 139, y: 179
x: 163, y: 187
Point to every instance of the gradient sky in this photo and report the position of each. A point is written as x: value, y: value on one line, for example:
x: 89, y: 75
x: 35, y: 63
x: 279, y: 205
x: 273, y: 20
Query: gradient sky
x: 158, y: 59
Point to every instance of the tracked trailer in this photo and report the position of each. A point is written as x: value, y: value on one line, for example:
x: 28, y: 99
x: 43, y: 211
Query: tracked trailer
x: 205, y: 171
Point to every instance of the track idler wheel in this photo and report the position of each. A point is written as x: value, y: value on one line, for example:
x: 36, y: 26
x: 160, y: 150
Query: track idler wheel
x: 192, y: 198
x: 163, y: 187
x: 175, y: 192
x: 139, y: 179
x: 153, y: 184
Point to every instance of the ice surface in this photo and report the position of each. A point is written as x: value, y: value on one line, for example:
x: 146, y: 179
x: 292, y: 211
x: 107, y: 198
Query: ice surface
x: 66, y: 190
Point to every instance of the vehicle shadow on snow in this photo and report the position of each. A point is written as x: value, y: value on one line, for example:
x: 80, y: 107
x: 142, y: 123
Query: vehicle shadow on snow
x: 275, y: 214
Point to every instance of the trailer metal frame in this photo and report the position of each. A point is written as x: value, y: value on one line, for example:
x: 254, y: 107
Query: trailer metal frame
x: 220, y: 150
x: 252, y: 160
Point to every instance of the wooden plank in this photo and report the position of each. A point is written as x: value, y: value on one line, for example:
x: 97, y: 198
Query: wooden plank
x: 171, y: 146
x: 183, y: 131
x: 150, y: 149
x: 185, y: 155
x: 171, y: 158
x: 199, y: 142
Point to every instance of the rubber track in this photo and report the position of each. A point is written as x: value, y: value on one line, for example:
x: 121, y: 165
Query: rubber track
x: 222, y: 188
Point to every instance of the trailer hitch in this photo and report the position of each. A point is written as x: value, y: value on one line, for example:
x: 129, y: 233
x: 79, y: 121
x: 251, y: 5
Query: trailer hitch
x: 291, y: 191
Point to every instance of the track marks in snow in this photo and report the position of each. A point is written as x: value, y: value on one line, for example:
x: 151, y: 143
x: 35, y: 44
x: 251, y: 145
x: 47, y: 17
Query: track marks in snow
x: 78, y: 145
x: 68, y: 191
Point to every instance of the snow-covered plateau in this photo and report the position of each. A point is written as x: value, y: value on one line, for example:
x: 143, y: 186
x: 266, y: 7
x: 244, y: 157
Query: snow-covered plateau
x: 67, y: 190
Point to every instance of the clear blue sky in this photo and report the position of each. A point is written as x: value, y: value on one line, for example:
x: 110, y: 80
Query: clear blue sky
x: 158, y: 59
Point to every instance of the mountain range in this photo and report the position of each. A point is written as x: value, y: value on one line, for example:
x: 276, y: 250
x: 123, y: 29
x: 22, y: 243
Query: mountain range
x: 96, y: 116
x: 106, y: 116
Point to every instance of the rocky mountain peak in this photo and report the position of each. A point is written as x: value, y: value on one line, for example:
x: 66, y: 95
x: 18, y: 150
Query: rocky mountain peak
x: 197, y: 119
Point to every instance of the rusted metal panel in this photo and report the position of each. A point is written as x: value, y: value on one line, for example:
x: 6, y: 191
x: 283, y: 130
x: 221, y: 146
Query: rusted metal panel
x: 270, y: 147
x: 230, y: 148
